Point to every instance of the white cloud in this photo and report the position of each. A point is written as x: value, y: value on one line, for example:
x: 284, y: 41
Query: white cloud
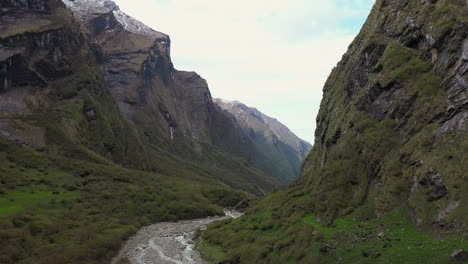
x: 274, y: 55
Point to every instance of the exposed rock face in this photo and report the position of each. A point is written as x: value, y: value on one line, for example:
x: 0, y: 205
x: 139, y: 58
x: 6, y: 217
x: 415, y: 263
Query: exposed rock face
x: 170, y: 108
x: 282, y: 150
x: 92, y: 80
x: 139, y: 72
x: 394, y: 115
x: 26, y: 4
x: 36, y: 47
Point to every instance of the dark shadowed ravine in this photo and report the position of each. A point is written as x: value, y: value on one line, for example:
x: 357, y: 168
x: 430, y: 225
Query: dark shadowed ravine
x: 167, y: 242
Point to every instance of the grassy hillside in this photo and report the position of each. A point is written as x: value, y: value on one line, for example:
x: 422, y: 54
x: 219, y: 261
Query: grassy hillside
x: 62, y: 210
x: 282, y: 229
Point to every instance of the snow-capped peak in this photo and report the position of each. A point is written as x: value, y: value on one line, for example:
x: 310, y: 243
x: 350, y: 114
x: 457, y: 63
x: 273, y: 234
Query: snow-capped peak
x: 88, y: 9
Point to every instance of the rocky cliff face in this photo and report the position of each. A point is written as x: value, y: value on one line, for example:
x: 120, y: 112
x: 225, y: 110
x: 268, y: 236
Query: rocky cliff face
x: 92, y: 83
x: 386, y: 180
x: 282, y: 151
x: 140, y: 75
x: 392, y: 125
x: 41, y: 47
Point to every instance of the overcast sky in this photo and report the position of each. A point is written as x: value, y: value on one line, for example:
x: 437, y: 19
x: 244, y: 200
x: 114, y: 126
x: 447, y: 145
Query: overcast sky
x: 274, y: 55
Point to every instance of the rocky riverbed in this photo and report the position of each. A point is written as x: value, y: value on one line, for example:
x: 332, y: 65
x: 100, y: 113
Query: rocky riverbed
x: 167, y: 242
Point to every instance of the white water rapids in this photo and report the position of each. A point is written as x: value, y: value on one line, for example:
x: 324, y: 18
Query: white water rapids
x: 168, y: 242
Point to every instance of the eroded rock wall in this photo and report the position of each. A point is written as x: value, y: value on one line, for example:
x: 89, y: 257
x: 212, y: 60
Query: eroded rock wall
x: 391, y: 130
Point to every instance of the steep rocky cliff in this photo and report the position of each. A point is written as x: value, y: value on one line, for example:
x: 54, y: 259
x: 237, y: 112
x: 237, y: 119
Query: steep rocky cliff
x: 52, y: 92
x: 392, y: 124
x: 92, y: 83
x: 386, y: 180
x: 282, y: 151
x: 168, y: 107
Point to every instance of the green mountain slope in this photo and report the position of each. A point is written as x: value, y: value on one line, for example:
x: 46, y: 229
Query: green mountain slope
x: 87, y: 156
x: 386, y: 179
x: 63, y: 210
x: 280, y: 152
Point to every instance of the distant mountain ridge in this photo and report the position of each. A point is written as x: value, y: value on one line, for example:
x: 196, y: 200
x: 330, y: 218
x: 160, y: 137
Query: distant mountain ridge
x: 281, y: 148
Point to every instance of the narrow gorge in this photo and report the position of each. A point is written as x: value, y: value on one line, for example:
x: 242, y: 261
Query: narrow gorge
x: 110, y: 154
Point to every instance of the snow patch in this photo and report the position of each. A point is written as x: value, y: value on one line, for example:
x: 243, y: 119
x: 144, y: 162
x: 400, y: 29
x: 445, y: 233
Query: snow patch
x: 88, y: 9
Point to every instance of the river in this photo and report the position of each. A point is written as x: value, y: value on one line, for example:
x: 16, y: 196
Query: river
x: 168, y: 242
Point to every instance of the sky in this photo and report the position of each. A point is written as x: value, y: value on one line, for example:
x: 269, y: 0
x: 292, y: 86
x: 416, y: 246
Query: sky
x: 274, y: 55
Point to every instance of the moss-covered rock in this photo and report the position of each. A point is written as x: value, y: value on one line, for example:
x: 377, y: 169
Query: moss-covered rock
x: 389, y: 98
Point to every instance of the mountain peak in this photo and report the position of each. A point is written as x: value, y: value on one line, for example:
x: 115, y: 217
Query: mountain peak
x: 88, y: 10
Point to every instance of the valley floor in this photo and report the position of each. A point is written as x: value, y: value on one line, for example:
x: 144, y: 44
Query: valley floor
x: 167, y: 242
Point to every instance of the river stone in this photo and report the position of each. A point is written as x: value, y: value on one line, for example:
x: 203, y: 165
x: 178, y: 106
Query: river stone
x: 459, y: 255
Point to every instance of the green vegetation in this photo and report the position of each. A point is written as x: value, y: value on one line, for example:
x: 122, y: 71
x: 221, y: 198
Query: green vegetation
x: 349, y: 163
x: 404, y: 65
x: 59, y: 210
x: 24, y: 199
x: 272, y: 238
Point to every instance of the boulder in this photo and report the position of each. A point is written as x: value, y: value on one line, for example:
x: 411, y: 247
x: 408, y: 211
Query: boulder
x: 459, y: 255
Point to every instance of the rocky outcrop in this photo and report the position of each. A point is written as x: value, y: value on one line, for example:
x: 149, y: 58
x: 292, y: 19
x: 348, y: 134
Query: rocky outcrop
x: 37, y: 48
x: 42, y: 5
x: 459, y: 255
x: 281, y: 150
x: 392, y: 123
